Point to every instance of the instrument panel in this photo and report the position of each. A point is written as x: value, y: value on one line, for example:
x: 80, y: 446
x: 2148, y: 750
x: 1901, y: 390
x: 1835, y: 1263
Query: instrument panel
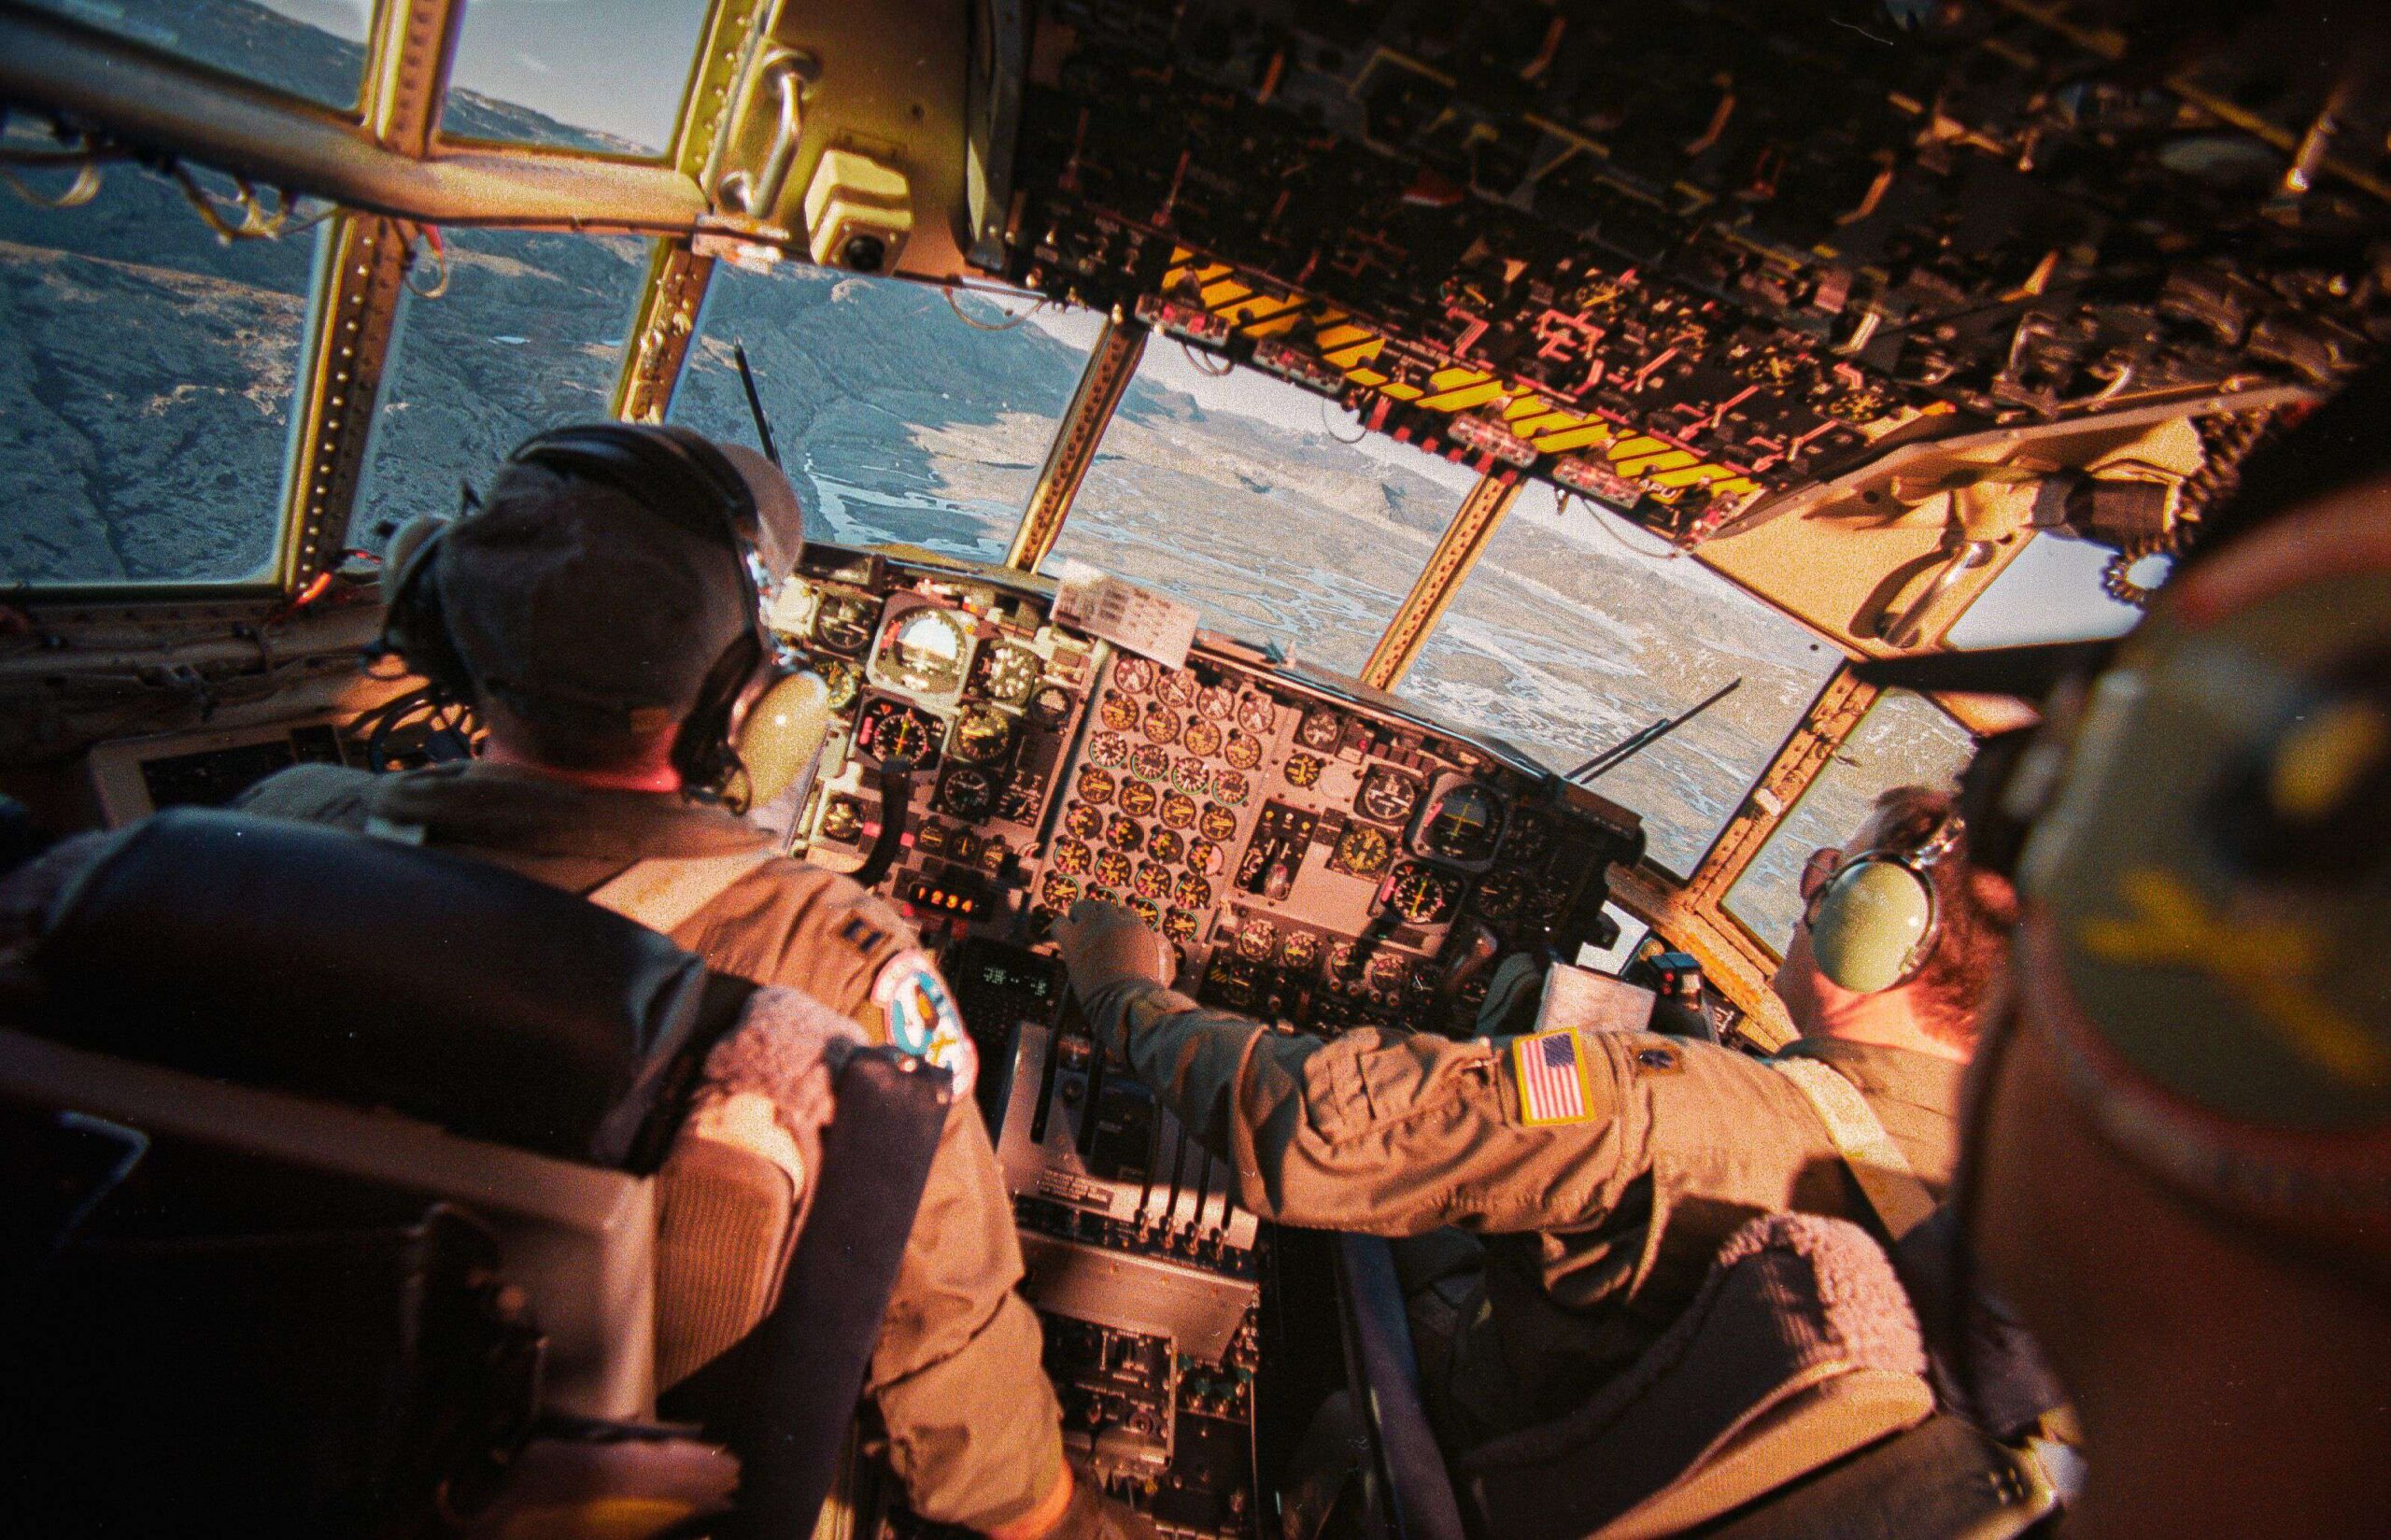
x: 1321, y: 855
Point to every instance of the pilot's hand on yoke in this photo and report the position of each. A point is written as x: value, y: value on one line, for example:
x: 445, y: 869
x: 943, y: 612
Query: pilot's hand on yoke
x: 1105, y: 944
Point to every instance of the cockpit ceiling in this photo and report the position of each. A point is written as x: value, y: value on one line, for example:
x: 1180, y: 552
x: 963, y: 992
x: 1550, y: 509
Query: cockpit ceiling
x: 1687, y: 258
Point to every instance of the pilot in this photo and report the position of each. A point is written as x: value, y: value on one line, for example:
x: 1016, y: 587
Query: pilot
x: 1604, y: 1171
x: 598, y: 611
x: 2180, y: 1167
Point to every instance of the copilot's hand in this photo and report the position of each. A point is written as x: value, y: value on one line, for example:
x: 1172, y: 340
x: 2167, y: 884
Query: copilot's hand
x: 1104, y: 944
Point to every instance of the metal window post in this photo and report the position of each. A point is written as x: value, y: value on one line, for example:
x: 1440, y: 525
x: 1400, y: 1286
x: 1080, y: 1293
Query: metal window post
x: 1111, y: 366
x: 1464, y: 541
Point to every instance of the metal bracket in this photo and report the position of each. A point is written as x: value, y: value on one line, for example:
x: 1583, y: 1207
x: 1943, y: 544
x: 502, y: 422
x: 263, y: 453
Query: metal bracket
x: 1111, y: 366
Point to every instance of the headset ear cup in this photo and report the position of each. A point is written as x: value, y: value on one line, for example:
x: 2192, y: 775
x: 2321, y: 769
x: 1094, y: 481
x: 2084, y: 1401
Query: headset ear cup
x: 781, y: 734
x: 413, y: 625
x: 1867, y: 923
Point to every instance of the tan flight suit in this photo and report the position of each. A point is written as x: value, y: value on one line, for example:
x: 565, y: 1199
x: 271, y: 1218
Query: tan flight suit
x: 973, y: 1426
x: 1596, y: 1233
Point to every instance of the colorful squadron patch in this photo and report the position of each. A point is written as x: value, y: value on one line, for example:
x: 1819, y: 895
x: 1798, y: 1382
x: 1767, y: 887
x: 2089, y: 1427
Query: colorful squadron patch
x: 922, y: 1017
x: 1552, y: 1086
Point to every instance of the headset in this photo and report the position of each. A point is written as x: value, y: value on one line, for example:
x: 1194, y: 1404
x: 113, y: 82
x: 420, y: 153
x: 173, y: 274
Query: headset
x: 1875, y: 918
x: 756, y: 719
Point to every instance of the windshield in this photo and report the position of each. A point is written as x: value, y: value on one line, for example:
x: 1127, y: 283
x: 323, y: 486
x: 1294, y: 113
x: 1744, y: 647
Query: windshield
x: 595, y: 74
x: 147, y: 373
x: 526, y: 335
x: 1905, y: 740
x: 1231, y: 494
x: 1568, y: 641
x: 311, y: 48
x: 901, y: 421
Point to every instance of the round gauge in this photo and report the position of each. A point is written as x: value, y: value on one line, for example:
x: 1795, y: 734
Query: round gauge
x: 844, y: 624
x: 1531, y: 836
x: 964, y: 846
x: 1498, y: 894
x: 1148, y: 912
x: 1243, y: 750
x: 1151, y: 760
x: 1193, y: 892
x: 841, y: 679
x: 1464, y: 825
x: 1179, y: 810
x: 1007, y: 672
x: 1203, y: 857
x: 1300, y: 950
x: 1109, y: 749
x: 1256, y: 939
x: 1192, y: 777
x: 1218, y: 702
x: 968, y: 794
x: 1218, y: 824
x: 1180, y: 924
x: 1102, y: 894
x: 1343, y: 959
x: 1165, y: 845
x: 1154, y: 880
x: 1084, y: 821
x: 1112, y: 867
x: 1072, y: 858
x: 842, y: 820
x: 1362, y: 851
x: 1303, y: 770
x: 1118, y: 711
x: 1321, y: 731
x: 1123, y: 833
x: 982, y: 736
x: 1049, y: 707
x: 1389, y: 970
x: 890, y: 730
x: 1179, y: 688
x: 1096, y: 785
x: 925, y: 651
x: 1253, y: 715
x: 1137, y: 798
x: 1387, y: 794
x: 1058, y: 892
x: 1134, y: 675
x: 1202, y: 738
x: 1231, y: 787
x: 1421, y: 895
x: 1162, y: 724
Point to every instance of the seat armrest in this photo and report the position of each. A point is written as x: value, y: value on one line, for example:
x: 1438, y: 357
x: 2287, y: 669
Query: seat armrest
x: 783, y: 1398
x: 1406, y: 1493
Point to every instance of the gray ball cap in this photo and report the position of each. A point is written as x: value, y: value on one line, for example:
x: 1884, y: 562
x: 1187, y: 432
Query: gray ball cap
x: 562, y: 594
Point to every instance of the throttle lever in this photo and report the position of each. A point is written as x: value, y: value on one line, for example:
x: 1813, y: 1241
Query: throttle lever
x: 896, y: 808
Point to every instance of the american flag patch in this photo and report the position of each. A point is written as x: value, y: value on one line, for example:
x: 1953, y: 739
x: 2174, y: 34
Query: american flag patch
x: 1552, y: 1089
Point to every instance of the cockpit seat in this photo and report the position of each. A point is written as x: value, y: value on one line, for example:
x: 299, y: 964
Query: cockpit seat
x: 1800, y: 1349
x: 276, y: 1083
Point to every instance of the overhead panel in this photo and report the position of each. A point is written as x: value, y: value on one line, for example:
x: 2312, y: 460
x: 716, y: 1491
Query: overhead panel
x: 1693, y: 261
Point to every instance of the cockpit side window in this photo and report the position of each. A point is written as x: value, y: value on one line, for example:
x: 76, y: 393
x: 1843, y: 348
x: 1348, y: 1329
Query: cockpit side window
x: 1257, y: 503
x: 603, y: 76
x: 313, y: 49
x: 1567, y: 641
x: 147, y: 380
x: 901, y: 421
x: 506, y: 333
x: 1904, y: 740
